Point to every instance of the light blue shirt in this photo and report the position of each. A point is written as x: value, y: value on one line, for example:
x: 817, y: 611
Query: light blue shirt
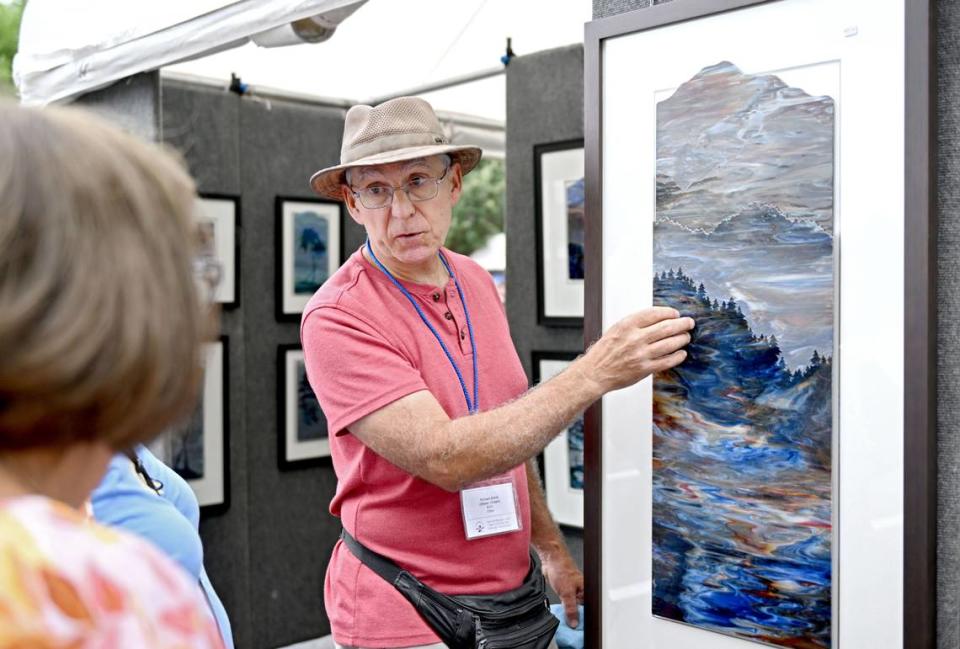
x: 170, y: 520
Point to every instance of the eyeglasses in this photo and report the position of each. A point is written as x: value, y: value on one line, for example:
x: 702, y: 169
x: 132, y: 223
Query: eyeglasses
x: 419, y: 188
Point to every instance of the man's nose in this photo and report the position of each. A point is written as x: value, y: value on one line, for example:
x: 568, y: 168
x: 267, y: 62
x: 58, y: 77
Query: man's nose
x: 401, y: 205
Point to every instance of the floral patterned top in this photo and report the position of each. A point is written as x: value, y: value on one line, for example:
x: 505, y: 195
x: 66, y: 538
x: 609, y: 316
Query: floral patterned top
x: 66, y: 581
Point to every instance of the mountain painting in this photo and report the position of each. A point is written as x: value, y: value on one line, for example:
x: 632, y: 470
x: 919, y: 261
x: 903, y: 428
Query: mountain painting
x: 743, y: 429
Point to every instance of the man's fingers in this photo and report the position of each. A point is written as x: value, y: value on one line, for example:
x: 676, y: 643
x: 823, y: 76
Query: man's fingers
x: 652, y: 316
x: 666, y: 362
x: 669, y: 345
x: 571, y: 611
x: 667, y: 328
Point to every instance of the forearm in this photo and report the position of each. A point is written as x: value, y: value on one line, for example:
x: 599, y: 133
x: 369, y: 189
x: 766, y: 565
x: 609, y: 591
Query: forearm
x: 417, y: 435
x: 489, y: 443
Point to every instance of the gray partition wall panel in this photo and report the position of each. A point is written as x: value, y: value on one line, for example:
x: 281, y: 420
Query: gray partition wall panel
x: 948, y: 335
x: 202, y: 124
x: 291, y: 531
x: 267, y: 553
x: 544, y: 104
x: 605, y: 8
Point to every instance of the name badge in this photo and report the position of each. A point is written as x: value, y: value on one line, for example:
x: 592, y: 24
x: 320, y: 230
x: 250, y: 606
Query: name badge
x: 490, y: 508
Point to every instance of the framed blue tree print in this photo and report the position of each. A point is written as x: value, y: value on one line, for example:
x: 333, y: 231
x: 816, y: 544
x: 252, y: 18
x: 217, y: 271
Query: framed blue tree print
x: 303, y: 438
x: 309, y: 238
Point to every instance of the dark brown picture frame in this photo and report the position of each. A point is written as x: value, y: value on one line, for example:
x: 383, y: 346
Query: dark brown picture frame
x: 538, y: 151
x: 920, y: 326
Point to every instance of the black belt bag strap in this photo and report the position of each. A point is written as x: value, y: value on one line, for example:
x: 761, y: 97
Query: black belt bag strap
x: 516, y: 619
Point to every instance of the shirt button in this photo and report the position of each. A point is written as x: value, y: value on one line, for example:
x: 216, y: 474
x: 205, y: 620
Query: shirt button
x: 448, y: 315
x: 436, y: 297
x: 463, y: 334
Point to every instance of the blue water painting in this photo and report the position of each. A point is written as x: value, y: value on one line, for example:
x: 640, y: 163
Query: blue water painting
x: 575, y: 228
x: 575, y: 453
x: 743, y: 429
x: 311, y: 241
x: 311, y: 422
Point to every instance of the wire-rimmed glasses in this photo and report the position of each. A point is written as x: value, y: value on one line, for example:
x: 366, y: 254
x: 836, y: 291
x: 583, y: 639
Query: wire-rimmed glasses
x: 419, y: 188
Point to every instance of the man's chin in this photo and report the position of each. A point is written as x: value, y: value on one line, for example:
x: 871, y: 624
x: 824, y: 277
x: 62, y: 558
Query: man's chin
x: 414, y: 251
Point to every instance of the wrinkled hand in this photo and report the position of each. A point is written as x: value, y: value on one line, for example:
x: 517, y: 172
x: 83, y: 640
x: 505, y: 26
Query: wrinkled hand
x: 567, y: 581
x: 637, y: 346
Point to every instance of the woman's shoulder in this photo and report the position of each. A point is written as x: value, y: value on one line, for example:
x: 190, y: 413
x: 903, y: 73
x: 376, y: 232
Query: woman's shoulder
x: 74, y: 582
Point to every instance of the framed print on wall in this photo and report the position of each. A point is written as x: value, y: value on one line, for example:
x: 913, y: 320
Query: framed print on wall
x: 563, y: 457
x: 219, y: 221
x: 199, y: 449
x: 302, y: 426
x: 771, y: 177
x: 558, y: 183
x: 309, y: 237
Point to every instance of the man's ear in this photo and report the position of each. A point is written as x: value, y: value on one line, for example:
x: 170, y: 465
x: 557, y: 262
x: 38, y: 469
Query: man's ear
x: 351, y: 202
x: 456, y: 181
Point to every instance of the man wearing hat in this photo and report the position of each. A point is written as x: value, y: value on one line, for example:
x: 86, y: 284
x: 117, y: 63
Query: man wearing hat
x: 432, y: 425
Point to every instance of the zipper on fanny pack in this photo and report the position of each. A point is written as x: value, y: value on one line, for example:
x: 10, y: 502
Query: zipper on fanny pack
x: 515, y: 641
x: 508, y: 614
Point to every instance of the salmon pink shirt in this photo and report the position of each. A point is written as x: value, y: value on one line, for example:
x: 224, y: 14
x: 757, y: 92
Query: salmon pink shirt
x: 365, y: 347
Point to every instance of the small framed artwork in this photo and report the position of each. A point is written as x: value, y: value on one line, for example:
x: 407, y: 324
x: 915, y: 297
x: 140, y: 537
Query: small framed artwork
x: 563, y: 457
x: 302, y: 430
x: 199, y: 448
x: 219, y: 222
x: 558, y: 181
x: 309, y: 238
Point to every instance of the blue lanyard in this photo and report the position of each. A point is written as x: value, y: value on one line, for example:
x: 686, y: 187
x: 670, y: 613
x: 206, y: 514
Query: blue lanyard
x: 474, y: 405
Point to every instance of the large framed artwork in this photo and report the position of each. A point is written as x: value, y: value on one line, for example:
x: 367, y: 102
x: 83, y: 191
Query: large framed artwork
x: 563, y: 457
x: 558, y: 182
x: 302, y: 427
x: 220, y: 222
x: 199, y: 448
x: 309, y: 236
x: 769, y: 176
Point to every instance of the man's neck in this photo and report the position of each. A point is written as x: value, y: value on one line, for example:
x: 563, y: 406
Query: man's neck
x: 432, y: 272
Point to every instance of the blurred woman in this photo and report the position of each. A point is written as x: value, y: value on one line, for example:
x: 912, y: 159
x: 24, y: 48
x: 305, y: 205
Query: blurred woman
x: 142, y: 495
x: 100, y: 333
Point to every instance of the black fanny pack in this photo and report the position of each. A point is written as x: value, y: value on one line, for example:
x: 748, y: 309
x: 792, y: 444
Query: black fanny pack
x: 516, y: 619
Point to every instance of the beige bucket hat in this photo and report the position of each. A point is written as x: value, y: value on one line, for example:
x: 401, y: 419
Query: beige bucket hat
x: 400, y: 129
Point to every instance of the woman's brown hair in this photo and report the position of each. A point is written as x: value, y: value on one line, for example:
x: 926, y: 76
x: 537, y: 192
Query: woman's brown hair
x: 100, y: 320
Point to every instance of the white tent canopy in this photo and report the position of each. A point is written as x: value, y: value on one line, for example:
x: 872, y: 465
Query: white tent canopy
x: 69, y: 47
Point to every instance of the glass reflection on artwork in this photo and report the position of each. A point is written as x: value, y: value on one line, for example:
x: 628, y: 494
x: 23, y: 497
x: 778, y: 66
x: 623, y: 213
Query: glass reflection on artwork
x: 575, y: 453
x: 311, y: 251
x: 742, y: 448
x: 575, y: 229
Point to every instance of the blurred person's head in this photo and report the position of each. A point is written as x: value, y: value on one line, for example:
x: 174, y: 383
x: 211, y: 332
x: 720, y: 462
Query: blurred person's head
x: 100, y: 319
